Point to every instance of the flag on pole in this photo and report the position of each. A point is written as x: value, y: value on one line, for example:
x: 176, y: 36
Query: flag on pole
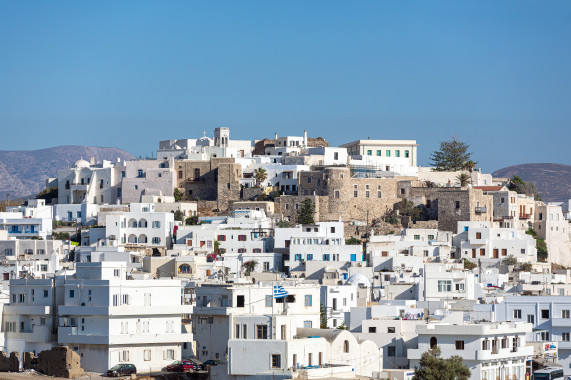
x: 279, y: 291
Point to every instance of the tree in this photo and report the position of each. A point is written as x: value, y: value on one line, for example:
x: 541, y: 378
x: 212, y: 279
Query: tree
x: 282, y: 223
x: 407, y: 208
x: 510, y: 260
x: 541, y: 250
x: 249, y: 267
x: 178, y: 215
x: 261, y: 175
x: 433, y: 367
x: 343, y: 326
x: 178, y: 194
x: 306, y: 211
x: 464, y: 179
x: 48, y: 194
x: 521, y: 187
x: 470, y: 166
x: 353, y: 241
x: 322, y: 317
x: 452, y: 156
x: 469, y: 265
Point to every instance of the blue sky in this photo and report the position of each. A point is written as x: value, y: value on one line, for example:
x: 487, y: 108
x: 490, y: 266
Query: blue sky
x: 496, y: 74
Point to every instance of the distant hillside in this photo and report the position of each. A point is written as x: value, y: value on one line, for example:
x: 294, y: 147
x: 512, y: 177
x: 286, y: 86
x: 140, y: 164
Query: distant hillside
x: 23, y: 172
x: 553, y: 181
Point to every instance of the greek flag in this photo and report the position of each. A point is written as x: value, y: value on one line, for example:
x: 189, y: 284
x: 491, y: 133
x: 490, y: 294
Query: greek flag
x: 279, y: 291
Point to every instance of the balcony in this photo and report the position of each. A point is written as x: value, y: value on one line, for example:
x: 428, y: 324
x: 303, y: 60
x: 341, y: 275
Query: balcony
x: 524, y: 216
x: 481, y: 210
x: 125, y: 310
x: 26, y: 309
x: 71, y: 335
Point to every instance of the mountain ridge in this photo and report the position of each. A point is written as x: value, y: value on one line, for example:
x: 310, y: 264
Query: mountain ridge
x: 553, y: 181
x: 24, y: 172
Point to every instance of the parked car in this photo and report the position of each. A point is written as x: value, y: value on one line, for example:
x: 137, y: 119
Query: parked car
x: 212, y: 362
x: 198, y: 365
x: 180, y: 366
x: 121, y: 370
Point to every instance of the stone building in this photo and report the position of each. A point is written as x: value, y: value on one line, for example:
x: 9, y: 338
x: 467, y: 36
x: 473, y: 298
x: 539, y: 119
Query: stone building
x: 217, y: 179
x: 450, y: 205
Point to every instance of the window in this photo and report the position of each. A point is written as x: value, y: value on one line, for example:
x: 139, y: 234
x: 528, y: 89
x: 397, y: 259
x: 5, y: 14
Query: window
x: 379, y: 194
x: 269, y: 301
x: 237, y: 331
x: 485, y: 344
x: 169, y: 354
x: 444, y: 286
x: 308, y: 300
x: 307, y: 324
x: 326, y: 257
x: 283, y: 332
x: 517, y: 313
x: 261, y: 332
x: 545, y: 314
x: 336, y: 193
x: 346, y: 346
x: 124, y: 356
x: 221, y: 237
x: 298, y: 257
x: 355, y: 194
x: 147, y: 355
x: 241, y: 237
x: 416, y: 237
x: 406, y: 153
x: 459, y: 344
x: 369, y: 152
x: 388, y: 153
x: 156, y: 224
x: 308, y: 179
x: 457, y: 205
x: 45, y: 293
x: 478, y: 235
x: 244, y: 331
x: 309, y: 256
x: 240, y: 301
x: 392, y: 351
x: 530, y: 318
x: 565, y: 314
x: 460, y: 287
x: 430, y: 237
x: 71, y: 293
x: 565, y: 337
x: 397, y: 153
x: 276, y: 361
x: 372, y: 329
x: 390, y: 330
x: 378, y: 153
x: 367, y: 194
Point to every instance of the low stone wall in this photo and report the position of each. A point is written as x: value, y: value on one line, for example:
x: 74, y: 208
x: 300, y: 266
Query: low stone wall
x: 60, y: 361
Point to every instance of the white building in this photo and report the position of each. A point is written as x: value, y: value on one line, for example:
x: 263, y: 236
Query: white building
x: 141, y: 226
x: 387, y: 149
x: 448, y: 282
x: 424, y: 245
x: 549, y: 315
x: 110, y: 319
x: 323, y: 241
x: 36, y: 208
x: 22, y: 227
x: 337, y: 300
x: 83, y: 213
x: 478, y: 241
x: 490, y: 349
x: 89, y: 182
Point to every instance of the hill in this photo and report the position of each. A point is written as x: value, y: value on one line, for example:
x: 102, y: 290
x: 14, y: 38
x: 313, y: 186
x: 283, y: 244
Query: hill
x: 24, y: 172
x: 553, y: 181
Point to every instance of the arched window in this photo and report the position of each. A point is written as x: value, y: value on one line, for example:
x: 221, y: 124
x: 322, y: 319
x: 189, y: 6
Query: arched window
x: 142, y: 238
x: 433, y: 342
x: 185, y: 269
x: 132, y: 239
x: 346, y: 346
x: 143, y: 223
x: 133, y: 223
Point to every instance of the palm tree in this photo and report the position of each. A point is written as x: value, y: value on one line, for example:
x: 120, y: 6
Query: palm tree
x: 470, y: 165
x: 261, y: 175
x: 464, y: 179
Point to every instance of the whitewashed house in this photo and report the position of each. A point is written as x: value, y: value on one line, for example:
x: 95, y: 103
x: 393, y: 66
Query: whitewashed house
x: 479, y: 241
x: 108, y: 318
x: 490, y: 349
x: 22, y: 227
x: 337, y: 300
x: 140, y: 226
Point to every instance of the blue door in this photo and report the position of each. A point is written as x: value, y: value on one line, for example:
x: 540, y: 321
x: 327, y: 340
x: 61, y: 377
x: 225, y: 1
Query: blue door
x: 353, y: 257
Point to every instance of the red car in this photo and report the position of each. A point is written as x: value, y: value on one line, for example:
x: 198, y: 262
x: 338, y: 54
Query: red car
x: 180, y: 366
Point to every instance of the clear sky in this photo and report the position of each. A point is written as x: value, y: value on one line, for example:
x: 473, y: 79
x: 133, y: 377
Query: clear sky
x: 497, y: 74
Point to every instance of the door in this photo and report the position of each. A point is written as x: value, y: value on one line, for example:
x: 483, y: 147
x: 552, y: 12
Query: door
x: 473, y: 253
x: 496, y: 255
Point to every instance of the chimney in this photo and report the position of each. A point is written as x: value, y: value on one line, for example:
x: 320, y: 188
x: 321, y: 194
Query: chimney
x: 305, y: 138
x: 92, y: 161
x: 276, y: 136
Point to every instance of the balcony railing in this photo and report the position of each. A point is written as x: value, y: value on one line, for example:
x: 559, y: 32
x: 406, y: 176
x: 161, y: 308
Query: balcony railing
x: 524, y: 216
x: 481, y: 210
